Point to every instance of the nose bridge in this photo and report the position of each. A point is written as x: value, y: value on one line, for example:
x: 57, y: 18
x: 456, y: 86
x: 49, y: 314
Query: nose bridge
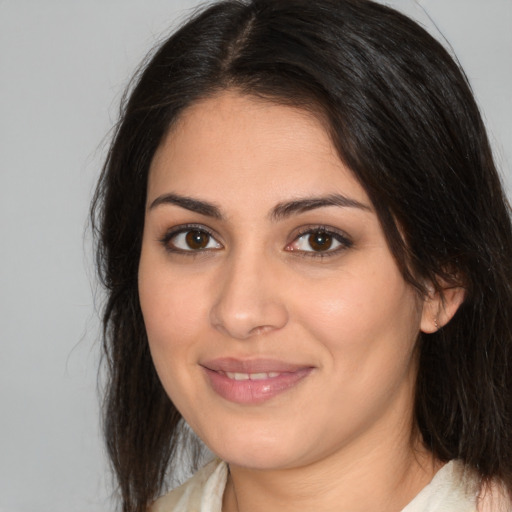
x: 249, y: 301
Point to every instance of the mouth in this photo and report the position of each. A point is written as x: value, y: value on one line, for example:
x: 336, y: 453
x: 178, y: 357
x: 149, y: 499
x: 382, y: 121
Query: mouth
x: 252, y: 381
x: 250, y: 376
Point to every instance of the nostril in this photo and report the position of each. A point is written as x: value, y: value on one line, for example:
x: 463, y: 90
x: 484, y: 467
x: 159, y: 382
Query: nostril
x: 244, y: 320
x: 262, y: 330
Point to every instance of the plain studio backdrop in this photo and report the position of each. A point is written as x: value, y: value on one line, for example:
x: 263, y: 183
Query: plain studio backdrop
x: 63, y: 67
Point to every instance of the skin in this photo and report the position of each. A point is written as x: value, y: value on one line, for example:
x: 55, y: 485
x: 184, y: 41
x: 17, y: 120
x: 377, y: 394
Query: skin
x: 259, y: 290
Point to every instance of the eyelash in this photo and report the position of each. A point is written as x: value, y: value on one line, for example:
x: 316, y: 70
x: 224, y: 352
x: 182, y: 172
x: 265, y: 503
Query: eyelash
x: 339, y: 237
x: 187, y: 228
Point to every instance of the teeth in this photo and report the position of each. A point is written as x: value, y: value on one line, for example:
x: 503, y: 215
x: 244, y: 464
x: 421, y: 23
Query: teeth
x: 259, y: 376
x: 251, y: 376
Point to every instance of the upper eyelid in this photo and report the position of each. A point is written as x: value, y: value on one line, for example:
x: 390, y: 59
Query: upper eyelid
x: 190, y: 227
x: 340, y: 236
x: 305, y: 230
x: 183, y: 228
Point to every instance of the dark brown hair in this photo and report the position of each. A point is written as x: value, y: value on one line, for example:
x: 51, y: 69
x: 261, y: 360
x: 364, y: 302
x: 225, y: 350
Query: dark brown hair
x: 403, y: 118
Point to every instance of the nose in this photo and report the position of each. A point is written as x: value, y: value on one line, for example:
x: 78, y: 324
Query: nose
x: 249, y: 301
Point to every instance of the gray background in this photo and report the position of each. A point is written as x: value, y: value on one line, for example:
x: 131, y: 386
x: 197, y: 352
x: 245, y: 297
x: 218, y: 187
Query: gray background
x: 63, y: 67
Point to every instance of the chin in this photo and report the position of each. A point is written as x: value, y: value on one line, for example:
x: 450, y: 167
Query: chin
x: 259, y: 459
x: 255, y: 450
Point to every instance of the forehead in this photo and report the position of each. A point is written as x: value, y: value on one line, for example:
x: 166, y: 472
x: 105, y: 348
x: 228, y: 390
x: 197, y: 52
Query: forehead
x: 245, y: 145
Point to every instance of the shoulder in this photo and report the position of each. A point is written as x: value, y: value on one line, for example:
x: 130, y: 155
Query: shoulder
x: 201, y: 493
x: 453, y: 488
x: 458, y: 488
x: 494, y: 498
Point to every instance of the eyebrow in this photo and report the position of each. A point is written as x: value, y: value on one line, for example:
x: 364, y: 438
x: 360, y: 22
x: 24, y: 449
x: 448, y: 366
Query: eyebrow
x: 284, y: 210
x: 279, y: 212
x: 194, y: 205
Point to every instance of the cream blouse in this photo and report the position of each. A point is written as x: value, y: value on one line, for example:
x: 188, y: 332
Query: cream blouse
x: 453, y: 489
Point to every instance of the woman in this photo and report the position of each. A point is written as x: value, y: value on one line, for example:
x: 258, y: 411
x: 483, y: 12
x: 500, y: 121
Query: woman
x: 307, y: 253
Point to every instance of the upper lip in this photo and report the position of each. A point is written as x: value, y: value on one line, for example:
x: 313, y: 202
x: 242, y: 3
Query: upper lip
x: 231, y: 364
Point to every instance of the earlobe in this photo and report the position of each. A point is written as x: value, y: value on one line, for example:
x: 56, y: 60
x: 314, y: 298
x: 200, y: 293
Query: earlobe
x: 439, y: 307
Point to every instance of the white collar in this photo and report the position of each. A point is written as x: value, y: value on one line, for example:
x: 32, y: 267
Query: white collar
x: 453, y: 489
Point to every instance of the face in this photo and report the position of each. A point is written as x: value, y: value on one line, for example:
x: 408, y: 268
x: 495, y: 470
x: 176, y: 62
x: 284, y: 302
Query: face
x: 278, y: 321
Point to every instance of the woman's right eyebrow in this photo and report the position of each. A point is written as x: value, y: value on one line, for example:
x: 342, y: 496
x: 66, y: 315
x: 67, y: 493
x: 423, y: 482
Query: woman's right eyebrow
x: 194, y: 205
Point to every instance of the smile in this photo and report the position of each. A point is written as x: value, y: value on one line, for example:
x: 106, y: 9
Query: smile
x: 251, y: 376
x: 252, y: 381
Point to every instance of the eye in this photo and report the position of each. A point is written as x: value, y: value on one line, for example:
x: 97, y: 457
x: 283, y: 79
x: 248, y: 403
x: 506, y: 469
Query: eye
x: 190, y: 240
x: 319, y: 240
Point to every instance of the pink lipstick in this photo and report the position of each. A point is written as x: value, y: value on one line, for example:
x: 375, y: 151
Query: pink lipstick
x: 252, y: 381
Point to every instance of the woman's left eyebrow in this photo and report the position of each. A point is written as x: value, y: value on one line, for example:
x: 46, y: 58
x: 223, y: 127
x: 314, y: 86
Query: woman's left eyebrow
x: 283, y: 210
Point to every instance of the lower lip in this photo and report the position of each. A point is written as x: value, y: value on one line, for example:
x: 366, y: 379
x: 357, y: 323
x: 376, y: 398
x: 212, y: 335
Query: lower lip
x: 254, y: 391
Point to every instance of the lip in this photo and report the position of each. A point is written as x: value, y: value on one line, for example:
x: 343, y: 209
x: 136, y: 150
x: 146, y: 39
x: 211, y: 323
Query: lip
x: 252, y: 383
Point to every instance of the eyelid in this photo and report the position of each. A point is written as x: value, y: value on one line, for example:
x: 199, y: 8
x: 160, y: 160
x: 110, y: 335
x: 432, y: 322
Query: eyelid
x: 339, y: 235
x: 183, y: 228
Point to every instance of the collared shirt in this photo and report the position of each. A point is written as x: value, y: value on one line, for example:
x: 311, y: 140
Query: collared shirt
x: 454, y: 488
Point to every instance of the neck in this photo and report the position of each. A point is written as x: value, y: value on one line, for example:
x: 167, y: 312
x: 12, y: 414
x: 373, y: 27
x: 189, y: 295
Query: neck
x: 382, y: 479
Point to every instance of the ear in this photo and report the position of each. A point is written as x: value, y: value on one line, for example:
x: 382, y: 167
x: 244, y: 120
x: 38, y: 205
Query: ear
x: 440, y: 306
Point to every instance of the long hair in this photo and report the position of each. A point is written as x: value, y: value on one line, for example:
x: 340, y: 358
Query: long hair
x: 402, y: 117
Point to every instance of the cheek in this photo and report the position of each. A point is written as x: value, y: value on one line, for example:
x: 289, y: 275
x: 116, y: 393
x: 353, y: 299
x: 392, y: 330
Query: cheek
x: 171, y: 308
x: 368, y: 328
x: 172, y: 326
x: 362, y: 313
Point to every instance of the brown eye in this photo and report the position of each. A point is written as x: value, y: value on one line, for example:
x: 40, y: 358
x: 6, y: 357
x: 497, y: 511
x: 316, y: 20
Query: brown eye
x: 320, y: 241
x: 197, y: 239
x: 190, y: 240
